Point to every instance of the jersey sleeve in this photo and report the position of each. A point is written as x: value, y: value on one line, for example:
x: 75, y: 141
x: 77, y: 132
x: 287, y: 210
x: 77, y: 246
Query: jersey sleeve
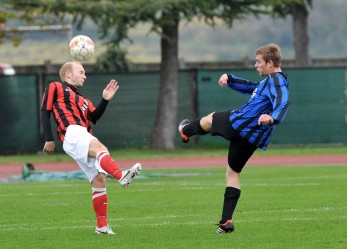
x: 94, y: 114
x: 279, y: 95
x: 46, y: 109
x: 46, y: 125
x: 241, y: 85
x: 49, y: 96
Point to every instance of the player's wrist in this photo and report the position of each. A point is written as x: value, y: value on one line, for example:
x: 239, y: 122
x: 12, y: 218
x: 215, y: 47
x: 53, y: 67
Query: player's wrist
x: 230, y: 78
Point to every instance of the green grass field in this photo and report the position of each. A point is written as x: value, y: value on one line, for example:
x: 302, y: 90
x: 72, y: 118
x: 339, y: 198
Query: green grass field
x: 280, y: 207
x: 180, y: 152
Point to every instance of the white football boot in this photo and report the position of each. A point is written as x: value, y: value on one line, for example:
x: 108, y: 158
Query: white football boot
x: 129, y: 174
x: 104, y: 230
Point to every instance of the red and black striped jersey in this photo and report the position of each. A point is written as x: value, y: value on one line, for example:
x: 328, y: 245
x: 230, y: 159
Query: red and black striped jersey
x: 68, y: 106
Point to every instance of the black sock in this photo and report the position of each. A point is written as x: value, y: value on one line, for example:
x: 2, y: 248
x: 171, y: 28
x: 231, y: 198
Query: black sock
x: 231, y: 197
x: 193, y: 128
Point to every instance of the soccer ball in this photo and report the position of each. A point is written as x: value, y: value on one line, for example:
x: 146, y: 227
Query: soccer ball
x: 81, y: 48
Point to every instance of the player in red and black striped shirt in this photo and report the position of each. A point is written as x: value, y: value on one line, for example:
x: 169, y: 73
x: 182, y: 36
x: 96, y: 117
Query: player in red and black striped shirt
x: 72, y: 113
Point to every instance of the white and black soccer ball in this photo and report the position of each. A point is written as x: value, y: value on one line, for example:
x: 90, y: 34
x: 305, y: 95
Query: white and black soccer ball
x: 81, y: 48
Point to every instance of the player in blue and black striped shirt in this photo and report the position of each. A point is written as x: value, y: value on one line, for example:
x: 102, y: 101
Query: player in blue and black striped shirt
x: 248, y: 127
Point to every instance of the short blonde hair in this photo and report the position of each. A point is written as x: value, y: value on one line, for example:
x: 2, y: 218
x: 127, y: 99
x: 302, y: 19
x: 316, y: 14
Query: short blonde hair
x: 271, y: 52
x: 67, y: 67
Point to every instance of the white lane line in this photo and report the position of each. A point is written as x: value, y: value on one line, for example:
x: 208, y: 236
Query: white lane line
x: 169, y: 220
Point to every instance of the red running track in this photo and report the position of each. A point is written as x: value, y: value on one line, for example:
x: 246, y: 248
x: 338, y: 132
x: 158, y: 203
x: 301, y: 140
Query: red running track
x: 8, y: 170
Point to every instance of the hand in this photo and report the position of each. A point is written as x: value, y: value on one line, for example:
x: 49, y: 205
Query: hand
x: 110, y: 90
x: 49, y: 147
x: 223, y: 80
x: 265, y: 119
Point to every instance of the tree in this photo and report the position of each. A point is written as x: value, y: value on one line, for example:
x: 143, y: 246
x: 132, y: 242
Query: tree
x: 115, y: 18
x: 112, y: 60
x: 168, y: 23
x: 299, y: 12
x: 165, y: 17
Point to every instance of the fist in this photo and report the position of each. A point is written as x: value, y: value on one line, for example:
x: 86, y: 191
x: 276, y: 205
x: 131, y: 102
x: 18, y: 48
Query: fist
x: 49, y: 147
x: 265, y: 119
x: 223, y: 80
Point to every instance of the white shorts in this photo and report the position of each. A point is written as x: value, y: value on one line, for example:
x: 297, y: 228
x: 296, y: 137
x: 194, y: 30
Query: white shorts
x: 76, y: 145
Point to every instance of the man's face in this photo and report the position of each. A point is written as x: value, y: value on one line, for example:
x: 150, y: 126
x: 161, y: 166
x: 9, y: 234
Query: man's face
x: 77, y: 75
x: 261, y: 66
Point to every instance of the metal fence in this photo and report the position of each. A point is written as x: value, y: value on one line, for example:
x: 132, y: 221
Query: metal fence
x: 317, y: 113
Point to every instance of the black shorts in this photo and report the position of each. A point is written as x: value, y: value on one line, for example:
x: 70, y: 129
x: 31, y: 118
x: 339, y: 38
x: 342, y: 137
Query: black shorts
x: 240, y: 150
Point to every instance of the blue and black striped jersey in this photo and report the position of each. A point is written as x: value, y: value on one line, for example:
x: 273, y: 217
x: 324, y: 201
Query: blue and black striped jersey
x: 270, y: 96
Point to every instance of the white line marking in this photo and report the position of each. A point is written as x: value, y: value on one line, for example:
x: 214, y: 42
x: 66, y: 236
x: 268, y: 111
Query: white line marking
x: 165, y: 223
x: 171, y: 220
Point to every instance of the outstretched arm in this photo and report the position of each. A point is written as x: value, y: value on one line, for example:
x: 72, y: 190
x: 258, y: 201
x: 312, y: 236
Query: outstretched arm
x: 108, y: 93
x: 238, y: 84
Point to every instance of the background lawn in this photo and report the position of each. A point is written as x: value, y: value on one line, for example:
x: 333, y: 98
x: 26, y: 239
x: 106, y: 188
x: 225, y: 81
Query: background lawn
x: 280, y: 207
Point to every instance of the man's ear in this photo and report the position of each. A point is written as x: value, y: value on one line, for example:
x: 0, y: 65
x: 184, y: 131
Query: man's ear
x: 67, y: 73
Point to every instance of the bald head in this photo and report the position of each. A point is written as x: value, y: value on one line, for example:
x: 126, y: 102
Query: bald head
x: 73, y: 73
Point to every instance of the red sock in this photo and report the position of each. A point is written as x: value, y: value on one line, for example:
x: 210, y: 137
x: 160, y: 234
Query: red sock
x: 108, y: 164
x: 100, y: 206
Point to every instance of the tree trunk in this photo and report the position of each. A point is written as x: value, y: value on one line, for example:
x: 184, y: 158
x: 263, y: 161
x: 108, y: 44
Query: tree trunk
x: 164, y: 131
x: 300, y: 30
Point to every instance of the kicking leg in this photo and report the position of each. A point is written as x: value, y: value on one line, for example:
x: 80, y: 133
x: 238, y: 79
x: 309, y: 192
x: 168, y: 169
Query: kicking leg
x: 199, y: 126
x: 100, y: 152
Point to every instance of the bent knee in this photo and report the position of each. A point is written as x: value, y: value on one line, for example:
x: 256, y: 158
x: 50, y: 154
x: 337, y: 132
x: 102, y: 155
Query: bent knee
x: 95, y: 147
x: 232, y: 172
x: 206, y: 122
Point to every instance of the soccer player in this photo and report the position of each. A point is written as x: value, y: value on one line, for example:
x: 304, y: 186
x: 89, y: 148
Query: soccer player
x: 247, y: 128
x: 72, y: 113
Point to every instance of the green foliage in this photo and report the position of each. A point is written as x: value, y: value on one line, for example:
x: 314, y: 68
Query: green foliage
x: 280, y: 207
x: 113, y: 60
x: 115, y: 18
x: 199, y: 42
x: 283, y: 9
